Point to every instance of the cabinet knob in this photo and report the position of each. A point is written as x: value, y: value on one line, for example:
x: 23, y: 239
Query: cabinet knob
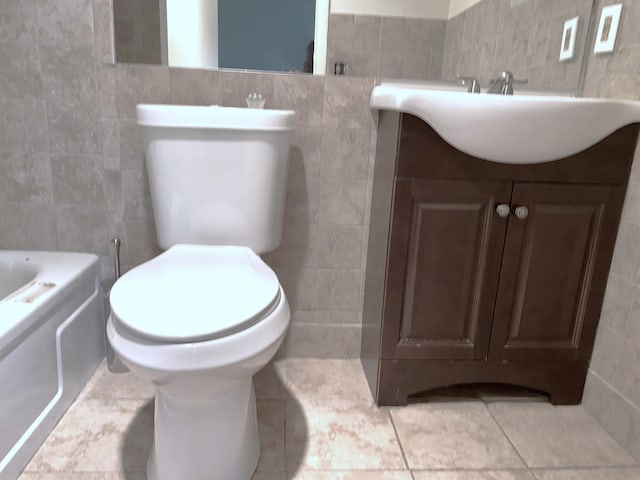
x: 503, y: 210
x: 521, y: 213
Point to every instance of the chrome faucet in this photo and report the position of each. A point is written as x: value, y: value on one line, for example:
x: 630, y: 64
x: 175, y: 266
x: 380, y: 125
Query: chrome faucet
x: 503, y: 85
x: 472, y: 83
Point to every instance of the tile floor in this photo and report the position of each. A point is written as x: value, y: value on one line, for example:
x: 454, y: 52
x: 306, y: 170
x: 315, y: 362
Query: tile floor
x: 318, y: 422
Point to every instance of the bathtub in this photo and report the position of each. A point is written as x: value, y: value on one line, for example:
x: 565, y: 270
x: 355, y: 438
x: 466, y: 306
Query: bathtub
x: 52, y: 338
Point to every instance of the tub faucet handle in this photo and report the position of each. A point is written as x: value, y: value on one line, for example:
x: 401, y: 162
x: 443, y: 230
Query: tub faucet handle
x: 504, y: 83
x: 472, y: 83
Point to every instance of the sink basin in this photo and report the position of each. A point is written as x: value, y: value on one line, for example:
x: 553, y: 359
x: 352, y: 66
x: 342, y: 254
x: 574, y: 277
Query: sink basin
x: 518, y: 129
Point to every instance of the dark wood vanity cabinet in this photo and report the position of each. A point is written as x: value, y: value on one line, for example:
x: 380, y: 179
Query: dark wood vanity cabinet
x: 480, y: 272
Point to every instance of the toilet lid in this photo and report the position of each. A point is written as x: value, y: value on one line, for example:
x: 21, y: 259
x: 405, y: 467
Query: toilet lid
x: 195, y: 293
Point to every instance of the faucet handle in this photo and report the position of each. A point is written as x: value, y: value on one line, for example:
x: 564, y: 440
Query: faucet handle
x: 472, y: 83
x: 505, y: 82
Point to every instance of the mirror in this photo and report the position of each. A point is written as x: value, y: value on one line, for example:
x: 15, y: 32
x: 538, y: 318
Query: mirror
x: 404, y: 39
x: 239, y: 34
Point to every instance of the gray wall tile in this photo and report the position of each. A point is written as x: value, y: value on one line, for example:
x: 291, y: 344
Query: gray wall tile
x: 320, y: 261
x: 606, y: 352
x: 81, y: 228
x: 110, y: 143
x: 338, y: 289
x: 137, y: 42
x: 194, y: 87
x: 340, y: 41
x: 303, y: 185
x: 314, y: 340
x: 22, y: 78
x: 300, y: 286
x: 136, y: 195
x: 26, y: 177
x: 65, y: 22
x: 70, y: 90
x: 346, y: 102
x: 615, y: 399
x: 131, y: 146
x: 342, y: 202
x: 74, y: 128
x: 236, y: 86
x: 103, y: 26
x: 27, y: 225
x: 139, y: 242
x: 23, y: 124
x: 387, y: 46
x: 345, y: 153
x: 302, y: 93
x: 298, y: 249
x: 618, y: 300
x: 493, y: 36
x: 107, y: 90
x: 367, y: 34
x: 140, y: 84
x: 18, y: 22
x: 393, y: 35
x: 339, y: 246
x: 77, y: 180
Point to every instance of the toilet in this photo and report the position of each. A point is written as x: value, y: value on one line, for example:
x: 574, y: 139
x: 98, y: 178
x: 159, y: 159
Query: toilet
x: 200, y: 319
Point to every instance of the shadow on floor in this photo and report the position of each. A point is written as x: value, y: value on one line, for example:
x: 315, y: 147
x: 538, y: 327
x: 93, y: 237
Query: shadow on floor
x: 137, y: 443
x: 274, y: 455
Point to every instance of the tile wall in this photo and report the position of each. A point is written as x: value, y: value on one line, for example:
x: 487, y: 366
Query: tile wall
x: 491, y: 36
x: 137, y: 41
x: 612, y: 393
x: 52, y: 188
x: 73, y: 174
x: 320, y: 260
x: 73, y: 177
x: 386, y: 47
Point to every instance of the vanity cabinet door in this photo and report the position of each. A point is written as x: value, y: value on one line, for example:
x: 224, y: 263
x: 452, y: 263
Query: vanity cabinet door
x: 546, y: 305
x: 443, y: 267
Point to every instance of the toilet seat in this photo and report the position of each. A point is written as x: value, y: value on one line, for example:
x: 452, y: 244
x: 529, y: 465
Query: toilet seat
x: 193, y: 293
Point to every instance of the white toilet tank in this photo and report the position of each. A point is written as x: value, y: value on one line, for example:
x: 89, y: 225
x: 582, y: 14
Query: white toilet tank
x: 217, y: 174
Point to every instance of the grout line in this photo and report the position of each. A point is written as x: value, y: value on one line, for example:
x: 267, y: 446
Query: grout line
x: 506, y: 436
x: 613, y: 389
x: 404, y: 457
x: 585, y: 468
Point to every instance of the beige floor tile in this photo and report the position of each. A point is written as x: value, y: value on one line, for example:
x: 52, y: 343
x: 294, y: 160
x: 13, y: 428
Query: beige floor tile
x: 83, y: 476
x: 551, y: 436
x: 334, y: 432
x: 105, y: 384
x: 326, y: 378
x: 589, y: 474
x: 98, y: 435
x: 271, y: 418
x: 269, y: 476
x: 351, y: 475
x: 452, y: 436
x: 339, y: 434
x: 474, y: 475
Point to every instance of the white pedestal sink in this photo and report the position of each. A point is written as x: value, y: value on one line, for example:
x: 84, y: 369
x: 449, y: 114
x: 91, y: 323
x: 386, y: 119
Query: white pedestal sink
x: 517, y: 129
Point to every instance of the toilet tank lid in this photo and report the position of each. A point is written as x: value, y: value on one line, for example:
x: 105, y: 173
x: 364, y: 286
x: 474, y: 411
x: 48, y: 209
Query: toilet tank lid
x: 214, y: 117
x: 195, y: 293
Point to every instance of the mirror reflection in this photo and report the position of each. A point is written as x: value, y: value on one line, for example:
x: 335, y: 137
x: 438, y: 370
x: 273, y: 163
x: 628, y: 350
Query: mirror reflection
x: 404, y: 39
x: 240, y: 34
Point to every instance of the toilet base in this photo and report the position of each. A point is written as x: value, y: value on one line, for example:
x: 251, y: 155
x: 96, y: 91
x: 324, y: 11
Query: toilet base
x: 205, y: 438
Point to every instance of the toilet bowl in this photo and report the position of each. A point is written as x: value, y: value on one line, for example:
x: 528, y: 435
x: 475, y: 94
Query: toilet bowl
x: 198, y: 321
